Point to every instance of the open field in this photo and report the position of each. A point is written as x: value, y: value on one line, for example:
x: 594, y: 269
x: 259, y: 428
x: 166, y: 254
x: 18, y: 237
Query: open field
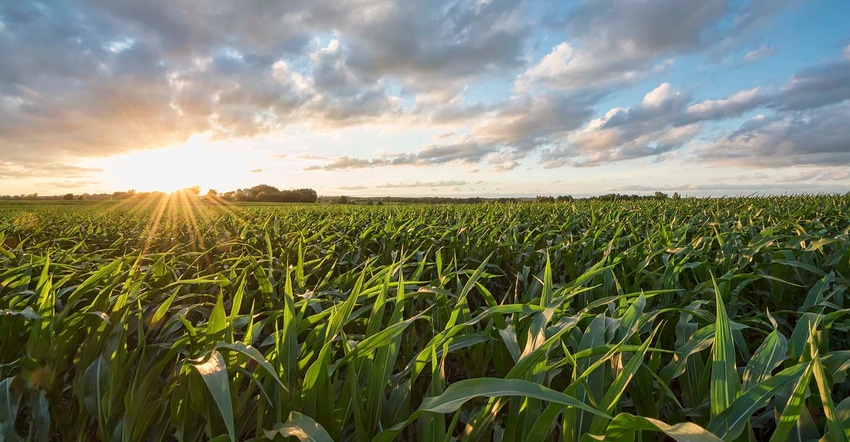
x: 721, y: 319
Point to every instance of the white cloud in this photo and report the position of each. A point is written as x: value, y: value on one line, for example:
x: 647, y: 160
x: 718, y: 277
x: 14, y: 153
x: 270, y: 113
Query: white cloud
x: 660, y: 95
x: 733, y: 106
x: 759, y: 53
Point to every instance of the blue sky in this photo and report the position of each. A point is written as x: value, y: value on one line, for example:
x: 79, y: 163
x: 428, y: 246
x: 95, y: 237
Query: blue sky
x: 426, y: 97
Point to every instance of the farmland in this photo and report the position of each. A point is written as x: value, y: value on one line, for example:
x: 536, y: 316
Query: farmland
x: 708, y: 319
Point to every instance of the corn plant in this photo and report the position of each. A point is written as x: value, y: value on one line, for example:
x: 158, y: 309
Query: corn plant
x: 172, y: 319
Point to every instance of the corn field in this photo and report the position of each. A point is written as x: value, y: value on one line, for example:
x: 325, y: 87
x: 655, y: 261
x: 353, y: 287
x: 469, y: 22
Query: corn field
x: 693, y: 319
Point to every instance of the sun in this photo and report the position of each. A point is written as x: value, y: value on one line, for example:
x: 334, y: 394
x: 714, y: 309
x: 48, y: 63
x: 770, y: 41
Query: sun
x: 194, y: 163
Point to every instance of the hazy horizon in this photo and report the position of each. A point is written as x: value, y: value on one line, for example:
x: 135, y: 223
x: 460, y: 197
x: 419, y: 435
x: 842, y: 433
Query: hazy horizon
x: 427, y: 98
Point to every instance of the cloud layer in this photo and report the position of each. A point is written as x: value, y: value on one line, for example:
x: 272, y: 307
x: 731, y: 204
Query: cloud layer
x: 96, y: 78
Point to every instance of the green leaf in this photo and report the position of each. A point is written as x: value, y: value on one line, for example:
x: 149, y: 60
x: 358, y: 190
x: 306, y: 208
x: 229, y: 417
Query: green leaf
x: 217, y: 321
x: 725, y: 385
x: 460, y: 392
x: 8, y: 411
x: 254, y: 354
x: 836, y: 432
x: 213, y: 371
x: 625, y: 425
x: 794, y: 408
x: 615, y: 391
x: 27, y: 313
x: 300, y: 426
x: 384, y: 337
x: 772, y: 351
x: 730, y: 423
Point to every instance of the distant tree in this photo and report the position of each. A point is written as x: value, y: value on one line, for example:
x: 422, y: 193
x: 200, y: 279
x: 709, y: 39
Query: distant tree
x: 212, y: 193
x: 676, y: 195
x: 123, y: 195
x: 660, y: 195
x: 68, y: 197
x: 253, y: 193
x: 195, y: 190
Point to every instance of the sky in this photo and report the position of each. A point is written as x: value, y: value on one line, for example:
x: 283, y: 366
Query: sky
x: 426, y: 97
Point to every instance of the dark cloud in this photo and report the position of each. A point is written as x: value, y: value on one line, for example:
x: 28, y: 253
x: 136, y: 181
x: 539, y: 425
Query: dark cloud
x: 649, y: 27
x: 820, y: 137
x: 426, y: 41
x: 527, y: 121
x: 817, y: 86
x: 340, y: 95
x: 185, y: 28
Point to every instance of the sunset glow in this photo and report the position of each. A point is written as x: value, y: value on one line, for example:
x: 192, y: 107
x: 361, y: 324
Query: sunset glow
x: 178, y: 167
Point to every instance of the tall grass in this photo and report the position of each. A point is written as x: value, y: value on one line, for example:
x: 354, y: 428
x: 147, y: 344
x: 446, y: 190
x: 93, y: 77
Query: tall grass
x: 699, y: 320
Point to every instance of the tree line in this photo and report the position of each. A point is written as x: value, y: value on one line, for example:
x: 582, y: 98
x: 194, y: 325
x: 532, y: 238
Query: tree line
x: 268, y: 194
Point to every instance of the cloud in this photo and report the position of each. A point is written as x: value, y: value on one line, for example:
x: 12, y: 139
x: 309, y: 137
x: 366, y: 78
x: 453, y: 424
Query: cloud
x: 817, y: 86
x: 557, y: 125
x: 340, y: 95
x: 623, y: 41
x: 759, y: 53
x: 256, y: 170
x: 820, y: 137
x: 184, y: 28
x: 73, y: 184
x: 464, y: 151
x: 106, y: 77
x: 526, y: 121
x: 719, y: 188
x: 617, y: 41
x: 568, y: 69
x: 454, y: 184
x: 12, y: 171
x: 451, y: 183
x: 347, y: 162
x: 734, y: 106
x: 753, y: 15
x: 109, y: 77
x: 502, y: 137
x: 427, y: 43
x: 625, y: 133
x: 816, y: 174
x: 101, y: 89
